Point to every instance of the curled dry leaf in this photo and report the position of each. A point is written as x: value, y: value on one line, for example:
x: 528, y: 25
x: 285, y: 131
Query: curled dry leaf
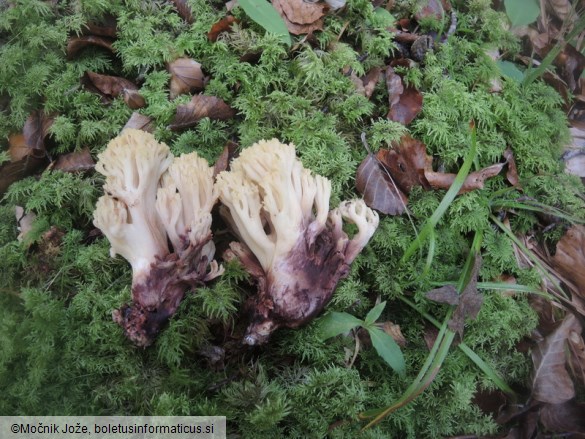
x: 201, y: 106
x: 299, y: 16
x: 223, y: 161
x: 109, y: 87
x: 140, y: 122
x: 186, y: 76
x: 552, y: 383
x: 369, y: 81
x: 512, y: 173
x: 222, y: 25
x: 79, y: 161
x: 571, y: 63
x: 569, y: 259
x: 470, y: 301
x: 405, y: 102
x: 378, y: 189
x: 75, y: 44
x: 184, y: 10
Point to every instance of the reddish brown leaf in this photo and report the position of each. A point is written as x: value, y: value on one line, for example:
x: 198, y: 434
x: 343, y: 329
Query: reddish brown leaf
x: 75, y: 44
x: 433, y: 8
x: 379, y: 192
x: 470, y: 301
x: 569, y: 259
x: 447, y: 294
x: 301, y: 17
x: 17, y: 147
x: 222, y: 25
x: 140, y: 122
x: 201, y: 106
x: 512, y: 173
x: 393, y: 330
x: 223, y: 162
x: 36, y: 131
x: 184, y: 10
x: 430, y: 336
x: 562, y: 418
x: 78, y: 161
x: 407, y: 162
x: 370, y: 80
x: 186, y: 76
x: 405, y: 102
x: 113, y: 86
x: 552, y: 383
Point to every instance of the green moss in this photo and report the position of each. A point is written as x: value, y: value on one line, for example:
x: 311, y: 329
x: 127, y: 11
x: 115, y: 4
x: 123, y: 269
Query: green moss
x: 76, y: 360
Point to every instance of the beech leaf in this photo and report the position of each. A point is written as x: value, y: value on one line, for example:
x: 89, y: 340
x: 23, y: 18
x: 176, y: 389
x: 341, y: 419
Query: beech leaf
x: 266, y: 16
x: 569, y: 259
x: 140, y: 122
x: 184, y: 10
x: 222, y: 25
x: 201, y: 106
x: 78, y: 161
x: 379, y: 192
x: 432, y: 8
x: 405, y: 102
x: 470, y: 301
x: 109, y: 87
x: 447, y: 294
x: 223, y: 161
x: 186, y: 76
x: 301, y: 17
x: 336, y: 323
x: 75, y: 44
x: 552, y: 383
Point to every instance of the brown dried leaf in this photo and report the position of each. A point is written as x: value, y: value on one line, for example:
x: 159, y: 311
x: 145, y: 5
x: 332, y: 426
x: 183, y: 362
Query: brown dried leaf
x: 433, y: 8
x: 201, y: 106
x: 577, y: 357
x: 36, y: 131
x: 186, y: 76
x: 405, y: 102
x: 24, y: 221
x: 561, y: 8
x: 107, y: 27
x: 569, y: 259
x: 512, y: 172
x: 109, y: 87
x: 406, y: 163
x: 571, y: 63
x: 222, y: 25
x: 474, y: 180
x: 370, y: 80
x: 552, y: 383
x: 430, y: 336
x: 470, y: 301
x: 17, y: 147
x: 75, y: 44
x: 140, y: 122
x: 446, y: 294
x: 184, y: 10
x: 301, y: 17
x: 566, y: 417
x: 79, y: 161
x: 394, y: 331
x: 378, y: 190
x: 223, y: 161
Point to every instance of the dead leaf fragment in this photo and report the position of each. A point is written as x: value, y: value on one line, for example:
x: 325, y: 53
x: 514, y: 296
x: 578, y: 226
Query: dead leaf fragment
x: 223, y: 161
x: 379, y: 192
x: 222, y: 25
x: 393, y: 330
x: 78, y: 161
x: 552, y: 383
x: 470, y: 301
x: 36, y: 130
x: 140, y: 122
x: 369, y: 81
x: 186, y: 76
x: 512, y: 172
x: 201, y: 106
x: 299, y: 16
x: 405, y: 102
x: 75, y: 44
x: 569, y: 258
x: 107, y: 27
x: 566, y: 417
x: 474, y: 180
x: 433, y: 8
x: 109, y: 87
x: 446, y: 294
x: 24, y: 221
x: 184, y: 10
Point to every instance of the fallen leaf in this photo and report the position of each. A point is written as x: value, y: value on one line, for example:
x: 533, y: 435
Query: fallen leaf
x: 184, y: 10
x: 299, y: 16
x: 140, y: 122
x: 405, y: 102
x: 186, y: 76
x: 107, y: 27
x: 561, y: 8
x: 430, y: 336
x: 379, y: 192
x: 566, y: 417
x: 17, y: 147
x: 79, y: 161
x: 370, y: 80
x: 406, y: 162
x: 569, y: 259
x: 512, y: 173
x: 393, y: 330
x: 433, y: 9
x: 223, y: 161
x: 446, y: 294
x: 552, y: 383
x: 474, y: 180
x: 36, y: 130
x: 75, y: 44
x: 577, y: 357
x: 201, y: 106
x: 113, y: 86
x: 222, y: 25
x: 571, y: 63
x: 470, y: 301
